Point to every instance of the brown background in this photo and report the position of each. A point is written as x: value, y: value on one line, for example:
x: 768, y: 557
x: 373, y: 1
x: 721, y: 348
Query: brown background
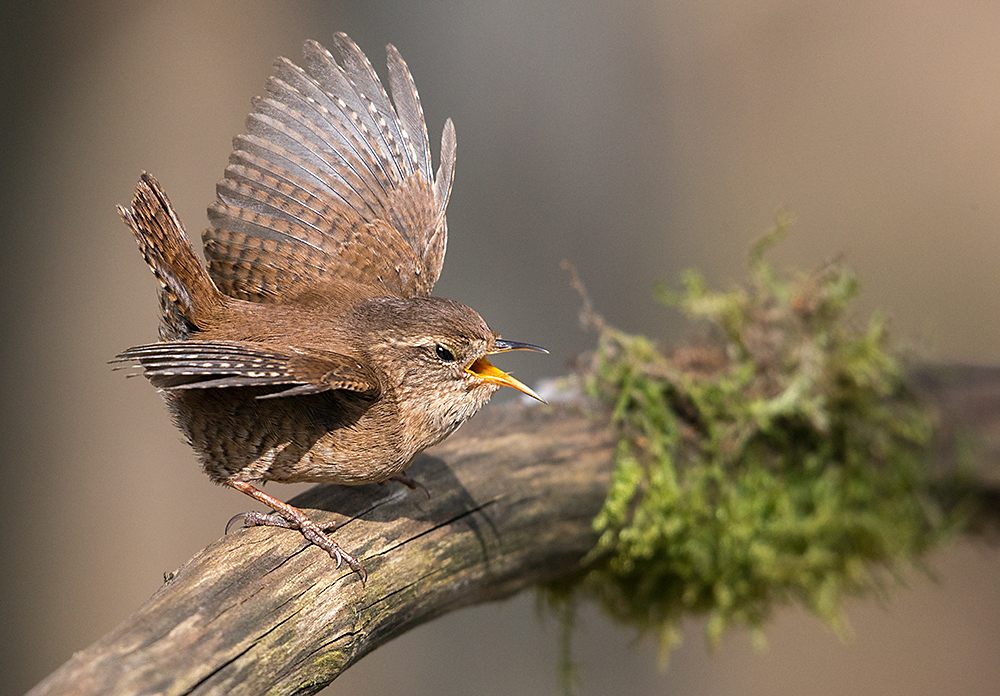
x: 634, y: 139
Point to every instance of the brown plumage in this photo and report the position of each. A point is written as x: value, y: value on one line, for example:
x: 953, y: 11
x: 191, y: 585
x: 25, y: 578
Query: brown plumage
x: 311, y: 349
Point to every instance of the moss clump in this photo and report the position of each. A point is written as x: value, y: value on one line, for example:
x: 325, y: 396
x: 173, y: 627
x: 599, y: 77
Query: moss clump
x: 783, y: 461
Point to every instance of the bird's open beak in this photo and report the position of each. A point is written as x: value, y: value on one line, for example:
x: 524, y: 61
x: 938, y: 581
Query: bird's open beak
x: 485, y: 370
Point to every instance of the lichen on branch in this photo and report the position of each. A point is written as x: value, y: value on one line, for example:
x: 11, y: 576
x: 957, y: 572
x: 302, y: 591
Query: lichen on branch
x: 783, y: 459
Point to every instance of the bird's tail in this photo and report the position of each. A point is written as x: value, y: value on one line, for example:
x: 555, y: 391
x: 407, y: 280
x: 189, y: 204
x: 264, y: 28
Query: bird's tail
x: 188, y: 296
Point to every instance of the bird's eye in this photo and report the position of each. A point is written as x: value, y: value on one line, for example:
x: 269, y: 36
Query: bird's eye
x: 444, y: 354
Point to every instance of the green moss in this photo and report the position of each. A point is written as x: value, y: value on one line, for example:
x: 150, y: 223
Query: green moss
x: 782, y: 462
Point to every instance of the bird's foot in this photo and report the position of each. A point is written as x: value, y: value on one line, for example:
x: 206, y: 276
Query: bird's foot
x: 290, y: 517
x: 317, y: 535
x: 270, y: 519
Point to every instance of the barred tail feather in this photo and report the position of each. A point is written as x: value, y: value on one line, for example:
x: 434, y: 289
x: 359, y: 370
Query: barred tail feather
x: 189, y: 295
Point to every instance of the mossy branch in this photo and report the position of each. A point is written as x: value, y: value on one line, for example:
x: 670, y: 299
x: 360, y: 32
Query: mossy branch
x: 786, y: 459
x: 513, y: 498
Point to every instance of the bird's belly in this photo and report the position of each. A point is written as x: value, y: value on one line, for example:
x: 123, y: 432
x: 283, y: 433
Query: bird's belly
x: 323, y: 438
x: 332, y: 460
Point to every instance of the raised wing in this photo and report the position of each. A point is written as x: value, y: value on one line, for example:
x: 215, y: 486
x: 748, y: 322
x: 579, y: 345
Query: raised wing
x: 219, y: 364
x: 332, y: 180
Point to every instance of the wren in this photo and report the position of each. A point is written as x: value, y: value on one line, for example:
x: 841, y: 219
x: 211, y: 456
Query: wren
x: 310, y: 349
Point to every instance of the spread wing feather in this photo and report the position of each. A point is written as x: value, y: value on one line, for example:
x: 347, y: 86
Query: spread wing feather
x: 411, y: 114
x: 194, y: 364
x: 332, y: 180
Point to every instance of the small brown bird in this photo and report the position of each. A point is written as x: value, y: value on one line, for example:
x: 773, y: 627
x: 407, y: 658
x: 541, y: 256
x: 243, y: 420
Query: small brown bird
x: 311, y: 349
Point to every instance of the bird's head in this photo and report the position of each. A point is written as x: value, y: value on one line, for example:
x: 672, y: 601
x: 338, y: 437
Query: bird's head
x: 433, y: 354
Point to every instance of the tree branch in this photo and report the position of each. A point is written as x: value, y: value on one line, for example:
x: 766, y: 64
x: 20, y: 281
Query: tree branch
x: 512, y: 499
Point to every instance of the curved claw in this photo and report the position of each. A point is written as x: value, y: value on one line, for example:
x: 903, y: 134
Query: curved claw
x: 412, y: 484
x: 240, y: 516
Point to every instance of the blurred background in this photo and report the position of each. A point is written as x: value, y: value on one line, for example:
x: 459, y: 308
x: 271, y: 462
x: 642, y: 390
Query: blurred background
x: 635, y: 139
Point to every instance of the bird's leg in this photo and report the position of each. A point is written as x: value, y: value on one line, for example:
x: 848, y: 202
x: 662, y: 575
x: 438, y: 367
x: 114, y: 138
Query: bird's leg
x: 291, y: 517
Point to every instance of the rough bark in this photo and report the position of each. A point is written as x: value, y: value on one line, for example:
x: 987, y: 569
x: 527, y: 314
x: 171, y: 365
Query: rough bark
x: 512, y: 499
